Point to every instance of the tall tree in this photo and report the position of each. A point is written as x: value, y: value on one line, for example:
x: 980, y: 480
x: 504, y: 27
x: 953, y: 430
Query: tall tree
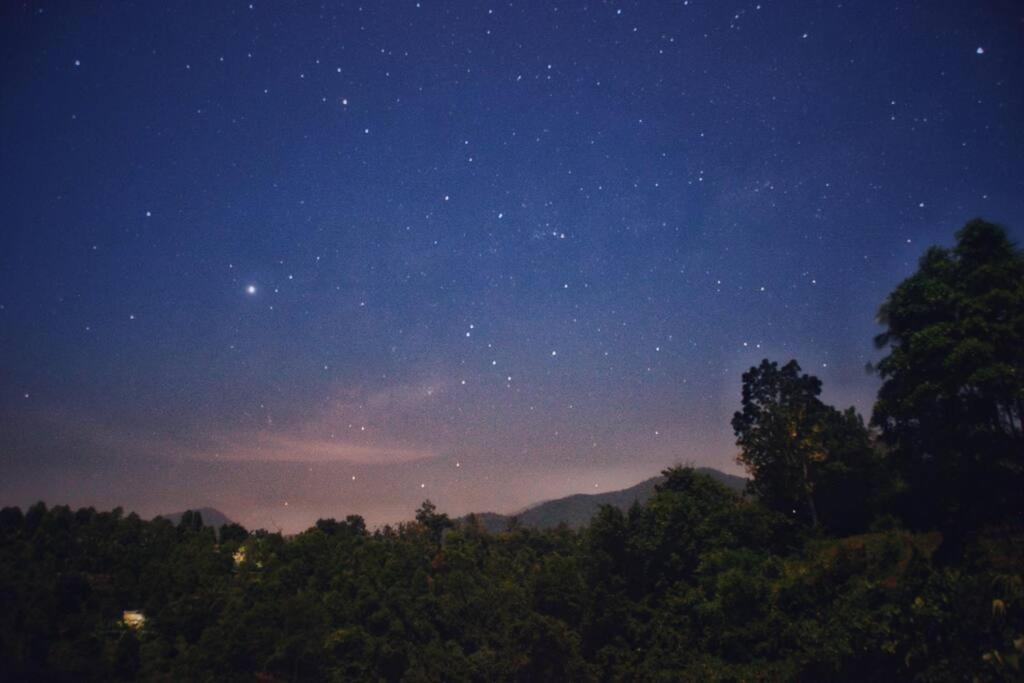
x: 435, y: 522
x: 779, y: 435
x: 801, y: 451
x: 952, y: 397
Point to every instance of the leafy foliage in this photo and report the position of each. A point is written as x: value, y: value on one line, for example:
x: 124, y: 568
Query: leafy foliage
x: 806, y: 458
x: 952, y: 402
x: 699, y: 582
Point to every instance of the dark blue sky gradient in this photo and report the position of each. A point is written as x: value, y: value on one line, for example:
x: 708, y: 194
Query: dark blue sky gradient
x: 500, y: 252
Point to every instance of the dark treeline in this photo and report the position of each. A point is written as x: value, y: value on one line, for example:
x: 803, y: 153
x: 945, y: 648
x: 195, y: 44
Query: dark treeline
x: 891, y: 549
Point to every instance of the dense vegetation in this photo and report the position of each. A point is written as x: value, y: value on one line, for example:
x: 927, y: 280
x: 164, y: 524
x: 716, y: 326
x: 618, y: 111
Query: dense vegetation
x: 881, y: 552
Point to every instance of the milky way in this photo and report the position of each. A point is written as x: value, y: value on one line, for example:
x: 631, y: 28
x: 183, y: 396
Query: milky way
x: 306, y: 261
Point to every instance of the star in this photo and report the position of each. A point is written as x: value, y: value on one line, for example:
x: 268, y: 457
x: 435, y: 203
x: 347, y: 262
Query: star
x: 329, y: 220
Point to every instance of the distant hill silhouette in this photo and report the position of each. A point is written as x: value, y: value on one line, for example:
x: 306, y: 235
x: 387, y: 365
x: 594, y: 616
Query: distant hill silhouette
x: 576, y: 510
x: 211, y: 517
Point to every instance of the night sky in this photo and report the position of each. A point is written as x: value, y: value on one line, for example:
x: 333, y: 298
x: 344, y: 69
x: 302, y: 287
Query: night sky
x: 312, y: 259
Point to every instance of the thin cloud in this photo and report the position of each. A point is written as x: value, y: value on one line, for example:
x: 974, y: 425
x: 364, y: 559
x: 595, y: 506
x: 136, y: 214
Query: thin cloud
x: 266, y: 446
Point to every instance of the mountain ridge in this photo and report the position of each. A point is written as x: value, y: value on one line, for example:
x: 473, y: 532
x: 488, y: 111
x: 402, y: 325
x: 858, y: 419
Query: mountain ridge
x: 577, y: 509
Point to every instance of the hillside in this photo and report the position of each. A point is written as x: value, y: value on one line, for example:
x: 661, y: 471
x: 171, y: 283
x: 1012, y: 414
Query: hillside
x: 576, y: 510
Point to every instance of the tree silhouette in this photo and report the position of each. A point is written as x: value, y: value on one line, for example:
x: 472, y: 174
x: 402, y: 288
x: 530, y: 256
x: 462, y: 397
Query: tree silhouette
x: 806, y: 458
x: 779, y: 432
x: 952, y: 400
x: 434, y: 522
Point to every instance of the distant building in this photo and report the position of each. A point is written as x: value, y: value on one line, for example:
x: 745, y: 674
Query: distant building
x: 133, y: 619
x: 239, y: 556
